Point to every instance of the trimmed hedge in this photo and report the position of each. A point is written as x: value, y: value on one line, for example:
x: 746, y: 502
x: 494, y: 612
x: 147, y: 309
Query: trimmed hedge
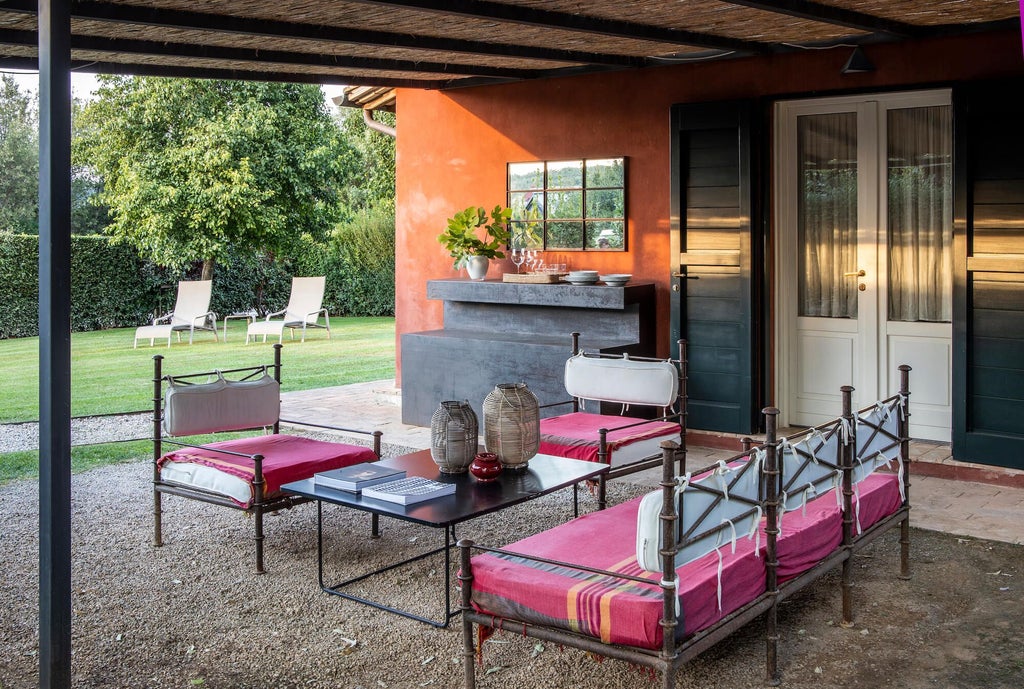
x: 111, y: 287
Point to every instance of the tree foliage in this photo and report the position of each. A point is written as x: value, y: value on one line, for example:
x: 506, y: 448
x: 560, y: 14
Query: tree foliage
x: 372, y: 183
x: 19, y: 159
x: 194, y: 168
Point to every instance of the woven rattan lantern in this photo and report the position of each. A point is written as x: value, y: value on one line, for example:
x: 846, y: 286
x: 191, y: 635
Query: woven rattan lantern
x: 453, y: 436
x: 512, y: 424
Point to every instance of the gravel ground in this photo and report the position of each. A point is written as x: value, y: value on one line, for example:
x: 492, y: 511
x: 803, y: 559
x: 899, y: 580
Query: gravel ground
x: 192, y: 613
x: 17, y: 437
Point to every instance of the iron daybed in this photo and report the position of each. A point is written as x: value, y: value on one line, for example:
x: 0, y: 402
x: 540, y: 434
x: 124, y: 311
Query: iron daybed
x: 612, y: 599
x: 245, y: 473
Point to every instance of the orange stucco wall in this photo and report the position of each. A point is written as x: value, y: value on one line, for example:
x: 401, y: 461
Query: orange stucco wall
x: 453, y: 146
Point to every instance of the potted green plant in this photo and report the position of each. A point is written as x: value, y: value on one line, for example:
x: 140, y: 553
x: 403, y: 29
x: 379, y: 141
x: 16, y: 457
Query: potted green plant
x: 464, y: 244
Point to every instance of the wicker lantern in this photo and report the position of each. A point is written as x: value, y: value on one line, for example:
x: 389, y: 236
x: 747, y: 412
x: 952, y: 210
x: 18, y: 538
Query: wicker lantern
x: 512, y: 424
x: 453, y: 436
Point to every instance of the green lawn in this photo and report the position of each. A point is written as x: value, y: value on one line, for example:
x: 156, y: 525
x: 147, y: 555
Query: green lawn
x: 108, y: 376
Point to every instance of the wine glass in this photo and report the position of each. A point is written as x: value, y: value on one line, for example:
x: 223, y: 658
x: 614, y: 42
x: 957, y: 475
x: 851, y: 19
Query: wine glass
x: 518, y: 257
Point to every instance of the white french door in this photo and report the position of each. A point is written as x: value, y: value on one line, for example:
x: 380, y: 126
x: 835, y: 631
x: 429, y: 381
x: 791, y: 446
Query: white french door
x: 864, y: 263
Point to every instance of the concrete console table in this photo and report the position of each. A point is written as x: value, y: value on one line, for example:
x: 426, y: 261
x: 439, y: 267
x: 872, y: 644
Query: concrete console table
x: 500, y: 332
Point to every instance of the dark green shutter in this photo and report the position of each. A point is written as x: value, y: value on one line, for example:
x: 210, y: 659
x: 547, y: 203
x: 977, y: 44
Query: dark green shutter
x: 713, y: 298
x: 988, y: 288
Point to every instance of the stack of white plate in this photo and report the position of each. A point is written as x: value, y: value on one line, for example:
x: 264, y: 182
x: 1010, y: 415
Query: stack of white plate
x: 616, y: 279
x: 582, y: 277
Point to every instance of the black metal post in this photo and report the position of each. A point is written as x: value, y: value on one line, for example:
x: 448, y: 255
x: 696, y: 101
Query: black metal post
x: 772, y: 477
x: 904, y: 426
x: 277, y: 376
x: 157, y: 450
x: 466, y: 605
x: 54, y: 343
x: 669, y: 517
x: 847, y: 452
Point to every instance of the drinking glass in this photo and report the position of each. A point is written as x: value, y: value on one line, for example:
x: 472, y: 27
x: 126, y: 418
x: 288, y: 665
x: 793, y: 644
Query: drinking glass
x: 518, y: 257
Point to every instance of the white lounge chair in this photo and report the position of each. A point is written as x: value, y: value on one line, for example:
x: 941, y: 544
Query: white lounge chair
x: 303, y: 311
x: 191, y: 312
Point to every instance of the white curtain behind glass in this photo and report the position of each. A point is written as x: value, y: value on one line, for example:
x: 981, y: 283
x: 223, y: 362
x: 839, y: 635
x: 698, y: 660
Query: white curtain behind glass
x: 827, y: 214
x: 920, y: 214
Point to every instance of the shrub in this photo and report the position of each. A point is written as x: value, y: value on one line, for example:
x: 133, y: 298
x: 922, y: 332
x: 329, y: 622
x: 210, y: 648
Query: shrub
x: 111, y: 287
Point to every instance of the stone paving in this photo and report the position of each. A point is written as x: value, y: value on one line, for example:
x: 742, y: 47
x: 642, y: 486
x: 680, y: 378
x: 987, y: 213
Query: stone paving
x: 993, y: 509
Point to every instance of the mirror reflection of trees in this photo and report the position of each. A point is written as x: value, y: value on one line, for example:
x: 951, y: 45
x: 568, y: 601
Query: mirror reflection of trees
x: 568, y: 204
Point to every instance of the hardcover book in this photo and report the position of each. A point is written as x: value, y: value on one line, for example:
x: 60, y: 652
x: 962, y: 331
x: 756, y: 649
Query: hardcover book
x: 408, y: 491
x: 357, y: 477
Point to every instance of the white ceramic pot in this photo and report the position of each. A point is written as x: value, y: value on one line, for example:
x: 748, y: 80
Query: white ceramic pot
x: 476, y: 266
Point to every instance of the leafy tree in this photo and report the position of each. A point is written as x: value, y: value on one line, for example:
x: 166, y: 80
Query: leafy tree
x: 193, y: 168
x: 19, y: 159
x: 372, y: 184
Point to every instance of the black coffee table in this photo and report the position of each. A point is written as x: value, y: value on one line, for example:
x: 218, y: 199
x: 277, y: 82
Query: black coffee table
x: 545, y: 474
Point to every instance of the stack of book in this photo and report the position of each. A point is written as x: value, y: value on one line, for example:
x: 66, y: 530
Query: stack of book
x: 408, y: 491
x: 357, y: 477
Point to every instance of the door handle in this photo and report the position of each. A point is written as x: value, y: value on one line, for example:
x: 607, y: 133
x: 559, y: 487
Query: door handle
x: 684, y: 275
x: 859, y: 274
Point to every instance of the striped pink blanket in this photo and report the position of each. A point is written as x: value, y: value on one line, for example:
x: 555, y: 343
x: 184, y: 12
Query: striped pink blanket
x: 618, y: 611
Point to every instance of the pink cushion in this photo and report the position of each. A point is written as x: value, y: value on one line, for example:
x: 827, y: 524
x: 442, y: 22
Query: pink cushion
x: 286, y: 458
x: 576, y: 435
x: 613, y: 610
x: 807, y: 538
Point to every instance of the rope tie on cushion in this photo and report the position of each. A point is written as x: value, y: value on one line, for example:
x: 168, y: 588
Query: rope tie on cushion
x: 882, y: 461
x: 902, y: 402
x: 674, y: 584
x: 720, y: 473
x: 845, y: 431
x: 721, y: 561
x: 856, y: 506
x: 809, y: 490
x: 783, y: 497
x: 755, y: 533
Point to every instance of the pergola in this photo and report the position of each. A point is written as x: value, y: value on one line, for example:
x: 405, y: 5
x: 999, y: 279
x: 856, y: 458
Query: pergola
x: 429, y: 44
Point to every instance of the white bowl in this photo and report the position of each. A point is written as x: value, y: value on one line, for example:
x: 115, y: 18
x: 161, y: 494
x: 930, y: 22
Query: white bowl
x: 617, y: 277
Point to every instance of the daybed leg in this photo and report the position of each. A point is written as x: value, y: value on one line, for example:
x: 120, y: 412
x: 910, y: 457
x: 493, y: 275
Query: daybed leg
x: 466, y: 582
x: 848, y: 451
x: 259, y: 539
x: 258, y: 485
x: 668, y: 677
x: 772, y: 478
x: 158, y: 537
x: 905, y: 548
x: 904, y: 427
x: 374, y: 526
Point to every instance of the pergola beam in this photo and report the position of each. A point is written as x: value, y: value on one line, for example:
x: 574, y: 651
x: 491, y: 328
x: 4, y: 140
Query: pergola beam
x: 839, y: 16
x: 209, y: 52
x: 531, y: 16
x: 205, y: 21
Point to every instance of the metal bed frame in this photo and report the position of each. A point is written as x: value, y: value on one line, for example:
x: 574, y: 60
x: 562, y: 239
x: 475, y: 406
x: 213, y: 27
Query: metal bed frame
x: 674, y: 653
x: 261, y: 504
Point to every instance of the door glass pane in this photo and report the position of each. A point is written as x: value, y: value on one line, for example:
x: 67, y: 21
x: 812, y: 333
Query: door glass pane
x: 827, y: 214
x: 920, y: 228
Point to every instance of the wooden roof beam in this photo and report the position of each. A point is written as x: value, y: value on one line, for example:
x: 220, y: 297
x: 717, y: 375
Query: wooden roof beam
x: 519, y: 14
x: 204, y: 21
x: 839, y: 16
x: 141, y: 47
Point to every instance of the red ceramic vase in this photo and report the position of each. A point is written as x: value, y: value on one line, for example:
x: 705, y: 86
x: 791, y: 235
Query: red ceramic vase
x: 486, y: 467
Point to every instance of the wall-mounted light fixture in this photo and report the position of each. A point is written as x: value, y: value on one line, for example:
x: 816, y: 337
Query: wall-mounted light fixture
x: 858, y: 63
